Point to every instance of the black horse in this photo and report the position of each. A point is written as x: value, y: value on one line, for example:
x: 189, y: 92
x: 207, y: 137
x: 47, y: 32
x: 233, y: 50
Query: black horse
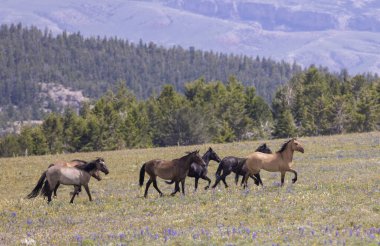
x: 197, y: 171
x: 235, y: 164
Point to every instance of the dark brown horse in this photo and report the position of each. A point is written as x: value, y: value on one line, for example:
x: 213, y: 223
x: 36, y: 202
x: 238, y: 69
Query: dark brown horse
x: 198, y: 172
x: 66, y: 175
x: 175, y: 170
x: 281, y: 161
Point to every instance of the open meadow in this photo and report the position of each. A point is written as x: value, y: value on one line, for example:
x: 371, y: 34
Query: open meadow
x: 336, y: 200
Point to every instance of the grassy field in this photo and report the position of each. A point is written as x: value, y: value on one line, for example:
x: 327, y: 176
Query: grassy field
x: 336, y: 200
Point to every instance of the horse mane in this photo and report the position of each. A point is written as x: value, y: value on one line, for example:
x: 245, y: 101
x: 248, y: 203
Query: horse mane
x: 86, y: 166
x: 82, y: 161
x: 283, y: 147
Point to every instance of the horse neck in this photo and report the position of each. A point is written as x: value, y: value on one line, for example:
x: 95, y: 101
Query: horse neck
x: 206, y: 158
x: 287, y: 154
x: 187, y: 161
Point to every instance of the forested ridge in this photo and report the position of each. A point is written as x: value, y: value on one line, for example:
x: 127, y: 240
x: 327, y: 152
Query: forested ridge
x: 29, y: 57
x: 314, y: 102
x: 206, y: 109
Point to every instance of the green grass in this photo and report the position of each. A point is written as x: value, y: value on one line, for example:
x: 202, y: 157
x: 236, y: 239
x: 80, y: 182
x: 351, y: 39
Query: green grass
x: 336, y: 200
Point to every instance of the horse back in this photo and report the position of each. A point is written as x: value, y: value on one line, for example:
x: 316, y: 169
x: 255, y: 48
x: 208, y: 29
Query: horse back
x: 169, y: 170
x: 257, y: 161
x: 67, y: 175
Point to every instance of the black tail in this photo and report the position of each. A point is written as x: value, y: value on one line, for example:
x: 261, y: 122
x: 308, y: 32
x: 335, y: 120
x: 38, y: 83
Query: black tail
x: 170, y: 182
x: 38, y: 187
x: 219, y: 170
x: 142, y: 174
x: 46, y: 189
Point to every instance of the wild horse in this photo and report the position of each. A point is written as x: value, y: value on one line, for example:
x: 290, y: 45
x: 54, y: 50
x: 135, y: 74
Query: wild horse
x: 175, y: 170
x: 281, y: 161
x: 66, y: 175
x: 73, y: 163
x: 235, y: 164
x: 198, y: 172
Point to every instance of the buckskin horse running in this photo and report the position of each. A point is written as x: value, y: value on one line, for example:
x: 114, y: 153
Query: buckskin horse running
x: 176, y: 169
x: 281, y: 161
x: 66, y: 175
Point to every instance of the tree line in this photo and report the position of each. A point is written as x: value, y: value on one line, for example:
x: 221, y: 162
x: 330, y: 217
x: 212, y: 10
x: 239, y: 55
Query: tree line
x: 314, y: 102
x: 29, y: 56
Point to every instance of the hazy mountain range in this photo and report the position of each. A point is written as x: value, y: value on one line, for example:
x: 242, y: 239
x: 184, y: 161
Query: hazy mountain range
x: 336, y: 34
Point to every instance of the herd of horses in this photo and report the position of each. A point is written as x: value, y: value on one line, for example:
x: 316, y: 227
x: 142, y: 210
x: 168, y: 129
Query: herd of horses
x: 78, y: 172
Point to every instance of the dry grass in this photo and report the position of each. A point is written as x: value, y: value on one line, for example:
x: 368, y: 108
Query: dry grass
x: 335, y: 201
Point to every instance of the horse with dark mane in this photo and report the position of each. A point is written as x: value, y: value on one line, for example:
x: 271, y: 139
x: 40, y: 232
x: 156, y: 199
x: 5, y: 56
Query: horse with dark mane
x: 60, y: 174
x: 281, y: 161
x: 236, y: 164
x: 176, y: 170
x: 196, y: 171
x: 73, y: 163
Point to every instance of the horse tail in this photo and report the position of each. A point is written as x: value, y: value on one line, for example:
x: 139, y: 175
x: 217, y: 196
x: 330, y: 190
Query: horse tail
x: 46, y: 189
x: 219, y: 170
x: 142, y: 174
x: 38, y: 187
x: 170, y: 182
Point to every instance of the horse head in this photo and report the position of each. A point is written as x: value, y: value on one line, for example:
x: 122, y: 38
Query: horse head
x: 264, y: 149
x: 213, y: 156
x: 101, y: 165
x: 296, y: 146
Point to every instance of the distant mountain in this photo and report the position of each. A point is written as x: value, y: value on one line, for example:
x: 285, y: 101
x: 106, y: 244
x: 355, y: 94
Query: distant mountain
x: 336, y: 34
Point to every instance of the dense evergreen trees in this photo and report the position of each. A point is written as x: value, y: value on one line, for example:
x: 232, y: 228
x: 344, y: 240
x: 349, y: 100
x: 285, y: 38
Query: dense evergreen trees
x: 94, y: 65
x: 143, y: 99
x: 314, y: 102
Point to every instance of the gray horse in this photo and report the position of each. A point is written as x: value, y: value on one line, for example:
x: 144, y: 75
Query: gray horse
x: 67, y: 175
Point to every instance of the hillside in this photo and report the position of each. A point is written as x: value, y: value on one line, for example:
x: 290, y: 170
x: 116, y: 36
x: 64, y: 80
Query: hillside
x: 335, y: 34
x: 76, y: 69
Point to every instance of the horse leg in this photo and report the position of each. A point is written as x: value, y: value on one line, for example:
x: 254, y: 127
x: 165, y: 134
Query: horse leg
x: 237, y: 179
x: 209, y: 181
x: 176, y: 189
x: 76, y: 188
x: 216, y: 182
x: 88, y: 191
x: 147, y: 187
x: 224, y: 180
x: 183, y: 186
x: 257, y: 175
x: 257, y: 182
x: 246, y: 176
x: 196, y: 183
x: 295, y: 175
x: 156, y: 187
x: 282, y: 178
x: 55, y: 189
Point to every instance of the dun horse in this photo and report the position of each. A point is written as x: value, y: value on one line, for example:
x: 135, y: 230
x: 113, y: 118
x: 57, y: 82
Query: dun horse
x: 235, y: 164
x: 281, y: 161
x: 76, y: 176
x: 74, y: 163
x: 175, y: 170
x: 198, y: 172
